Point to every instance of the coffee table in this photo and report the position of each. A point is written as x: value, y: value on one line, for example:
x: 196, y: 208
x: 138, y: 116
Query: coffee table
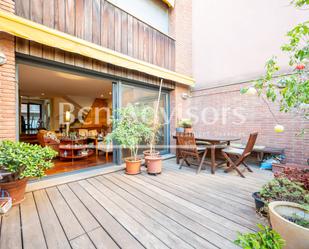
x: 74, y: 149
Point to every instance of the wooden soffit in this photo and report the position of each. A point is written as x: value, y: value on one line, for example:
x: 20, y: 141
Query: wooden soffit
x: 32, y: 31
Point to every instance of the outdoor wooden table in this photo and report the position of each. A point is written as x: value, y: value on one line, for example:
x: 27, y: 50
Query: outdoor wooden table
x: 214, y: 143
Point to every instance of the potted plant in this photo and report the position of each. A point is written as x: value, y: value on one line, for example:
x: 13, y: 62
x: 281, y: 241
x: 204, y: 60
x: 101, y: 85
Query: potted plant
x: 300, y: 175
x: 280, y: 189
x: 20, y: 161
x: 291, y: 221
x: 130, y: 130
x: 151, y: 138
x: 265, y: 238
x: 153, y: 160
x: 186, y: 123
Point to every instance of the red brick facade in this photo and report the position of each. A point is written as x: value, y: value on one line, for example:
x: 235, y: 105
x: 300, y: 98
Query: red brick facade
x: 181, y: 30
x: 7, y: 81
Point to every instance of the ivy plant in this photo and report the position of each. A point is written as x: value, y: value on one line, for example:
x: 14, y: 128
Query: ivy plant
x: 24, y: 160
x: 131, y: 128
x: 265, y: 238
x: 292, y: 90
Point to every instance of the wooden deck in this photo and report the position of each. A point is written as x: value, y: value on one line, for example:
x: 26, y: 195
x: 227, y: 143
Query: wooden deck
x: 177, y: 209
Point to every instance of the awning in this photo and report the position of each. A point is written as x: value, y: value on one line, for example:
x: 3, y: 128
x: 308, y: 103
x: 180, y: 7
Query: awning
x: 30, y: 30
x: 170, y: 3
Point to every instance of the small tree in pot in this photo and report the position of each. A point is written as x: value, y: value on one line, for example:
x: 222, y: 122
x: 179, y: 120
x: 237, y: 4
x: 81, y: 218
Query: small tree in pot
x: 129, y: 132
x: 186, y: 123
x: 153, y: 160
x: 20, y: 161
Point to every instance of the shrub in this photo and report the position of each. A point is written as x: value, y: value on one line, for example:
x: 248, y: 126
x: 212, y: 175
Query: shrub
x: 185, y: 123
x: 282, y: 189
x: 24, y: 160
x: 131, y: 128
x: 295, y: 175
x: 265, y: 238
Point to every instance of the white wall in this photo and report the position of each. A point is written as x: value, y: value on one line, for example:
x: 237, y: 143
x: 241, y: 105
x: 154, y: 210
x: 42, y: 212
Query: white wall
x: 233, y: 39
x: 153, y: 12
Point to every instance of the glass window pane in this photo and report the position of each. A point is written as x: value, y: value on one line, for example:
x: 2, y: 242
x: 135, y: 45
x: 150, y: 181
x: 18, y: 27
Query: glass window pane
x: 148, y: 97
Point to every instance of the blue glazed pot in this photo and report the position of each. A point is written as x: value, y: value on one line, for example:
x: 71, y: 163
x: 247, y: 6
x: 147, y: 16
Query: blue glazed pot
x: 180, y: 129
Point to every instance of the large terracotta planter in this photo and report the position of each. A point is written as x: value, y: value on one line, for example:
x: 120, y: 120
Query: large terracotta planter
x: 133, y: 167
x: 149, y: 153
x: 154, y: 164
x: 16, y: 190
x: 294, y: 235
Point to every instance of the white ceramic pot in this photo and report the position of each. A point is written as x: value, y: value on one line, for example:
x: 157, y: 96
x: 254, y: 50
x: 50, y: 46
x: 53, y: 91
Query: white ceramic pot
x: 295, y: 236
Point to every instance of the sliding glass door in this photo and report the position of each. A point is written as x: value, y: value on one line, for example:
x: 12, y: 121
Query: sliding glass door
x: 144, y: 96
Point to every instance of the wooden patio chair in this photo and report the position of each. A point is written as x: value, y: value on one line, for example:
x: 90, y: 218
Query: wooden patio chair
x: 187, y: 148
x: 239, y: 155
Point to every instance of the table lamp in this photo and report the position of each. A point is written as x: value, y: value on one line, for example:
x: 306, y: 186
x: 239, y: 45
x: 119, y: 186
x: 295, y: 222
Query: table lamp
x: 67, y: 120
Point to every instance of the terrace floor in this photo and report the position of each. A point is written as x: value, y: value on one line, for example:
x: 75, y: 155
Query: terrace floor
x: 177, y: 209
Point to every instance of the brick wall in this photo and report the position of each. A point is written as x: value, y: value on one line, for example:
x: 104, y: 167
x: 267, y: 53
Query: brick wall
x: 7, y: 81
x: 224, y: 111
x: 180, y: 27
x: 178, y: 108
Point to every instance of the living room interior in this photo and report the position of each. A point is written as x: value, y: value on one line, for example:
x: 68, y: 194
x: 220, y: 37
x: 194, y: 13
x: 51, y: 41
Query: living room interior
x: 67, y: 111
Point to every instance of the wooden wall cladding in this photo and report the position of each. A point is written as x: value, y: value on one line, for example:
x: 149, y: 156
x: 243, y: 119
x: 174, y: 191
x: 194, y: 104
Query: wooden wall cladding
x: 44, y: 52
x: 100, y: 22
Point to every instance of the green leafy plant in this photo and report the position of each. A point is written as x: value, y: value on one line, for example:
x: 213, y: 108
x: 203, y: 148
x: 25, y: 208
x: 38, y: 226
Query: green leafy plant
x: 297, y: 219
x: 265, y: 238
x: 154, y: 126
x: 185, y: 123
x: 282, y: 189
x: 131, y: 128
x: 292, y: 91
x: 24, y: 160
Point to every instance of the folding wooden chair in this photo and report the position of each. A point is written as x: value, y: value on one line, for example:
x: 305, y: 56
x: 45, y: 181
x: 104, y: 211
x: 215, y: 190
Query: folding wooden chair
x: 187, y: 148
x: 239, y: 154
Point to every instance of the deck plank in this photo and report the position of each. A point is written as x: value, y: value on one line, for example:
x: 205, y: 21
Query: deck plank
x: 66, y: 217
x: 101, y: 239
x: 85, y: 218
x: 165, y: 220
x: 170, y: 239
x: 33, y: 236
x: 188, y: 208
x: 139, y: 232
x: 82, y: 242
x: 10, y: 231
x: 197, y: 192
x: 54, y: 234
x: 183, y: 215
x: 119, y: 234
x: 234, y: 218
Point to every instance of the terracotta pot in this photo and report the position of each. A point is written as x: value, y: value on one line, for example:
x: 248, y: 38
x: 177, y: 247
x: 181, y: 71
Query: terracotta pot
x: 16, y: 190
x: 154, y: 164
x: 295, y: 236
x: 133, y: 167
x: 148, y: 153
x: 189, y: 130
